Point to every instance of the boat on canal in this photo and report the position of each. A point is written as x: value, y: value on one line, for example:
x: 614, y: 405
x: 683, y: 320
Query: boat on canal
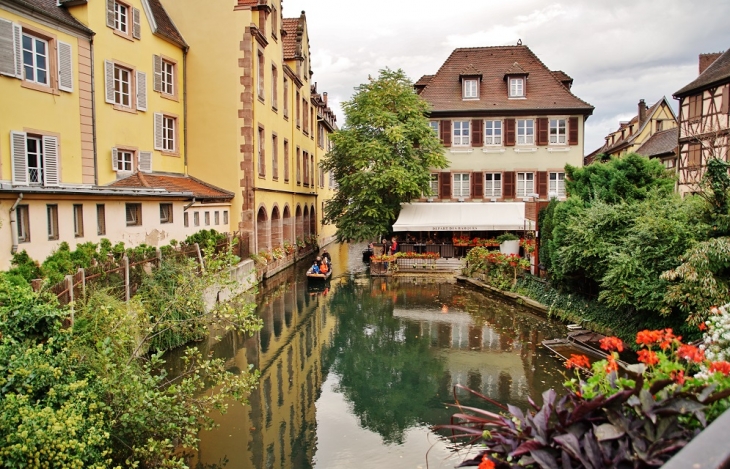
x: 580, y: 341
x: 312, y: 277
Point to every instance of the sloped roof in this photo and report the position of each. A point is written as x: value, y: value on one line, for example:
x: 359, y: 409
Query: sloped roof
x: 661, y: 143
x: 290, y: 41
x: 423, y: 81
x: 716, y: 73
x: 628, y: 139
x: 165, y: 27
x: 51, y: 9
x: 562, y: 77
x: 173, y: 183
x: 543, y: 90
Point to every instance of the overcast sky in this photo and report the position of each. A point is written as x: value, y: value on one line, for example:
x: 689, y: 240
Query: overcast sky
x: 616, y: 51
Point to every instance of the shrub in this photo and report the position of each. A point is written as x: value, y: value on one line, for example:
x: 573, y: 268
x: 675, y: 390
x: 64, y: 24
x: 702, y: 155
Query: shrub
x: 507, y: 237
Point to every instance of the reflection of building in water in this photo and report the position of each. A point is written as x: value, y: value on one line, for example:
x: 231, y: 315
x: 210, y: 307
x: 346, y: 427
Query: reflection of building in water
x: 277, y: 429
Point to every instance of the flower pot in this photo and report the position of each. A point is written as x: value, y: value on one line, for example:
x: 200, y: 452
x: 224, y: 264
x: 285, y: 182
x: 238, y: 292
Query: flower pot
x: 510, y: 247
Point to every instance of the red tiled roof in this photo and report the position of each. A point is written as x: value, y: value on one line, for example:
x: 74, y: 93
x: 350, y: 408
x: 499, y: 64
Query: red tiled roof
x: 630, y: 138
x: 423, y: 81
x: 562, y: 77
x: 543, y: 90
x: 173, y: 183
x: 165, y: 26
x: 661, y: 143
x: 52, y: 9
x: 716, y: 73
x: 290, y: 41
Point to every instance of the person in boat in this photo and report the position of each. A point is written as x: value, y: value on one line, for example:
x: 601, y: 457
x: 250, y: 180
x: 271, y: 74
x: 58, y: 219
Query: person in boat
x: 315, y: 268
x: 327, y: 258
x: 324, y: 267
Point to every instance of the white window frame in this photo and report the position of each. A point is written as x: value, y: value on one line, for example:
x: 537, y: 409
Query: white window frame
x: 168, y: 77
x: 434, y: 184
x: 434, y: 126
x: 125, y: 160
x: 516, y: 87
x: 493, y: 132
x: 460, y: 133
x: 525, y: 184
x: 470, y: 88
x: 23, y: 216
x: 78, y: 220
x: 122, y: 76
x: 461, y: 185
x: 39, y: 168
x: 34, y: 59
x: 556, y: 184
x: 121, y: 17
x: 166, y: 213
x: 525, y: 131
x: 52, y: 216
x: 169, y: 139
x: 135, y: 210
x: 558, y: 131
x: 492, y: 185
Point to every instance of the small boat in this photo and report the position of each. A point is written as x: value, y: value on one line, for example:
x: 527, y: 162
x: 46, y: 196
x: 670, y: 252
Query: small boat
x: 318, y: 277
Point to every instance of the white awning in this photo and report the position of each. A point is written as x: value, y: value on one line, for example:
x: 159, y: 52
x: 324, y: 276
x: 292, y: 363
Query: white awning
x: 463, y: 216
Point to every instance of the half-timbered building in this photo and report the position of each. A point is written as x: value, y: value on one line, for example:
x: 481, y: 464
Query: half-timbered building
x: 704, y: 105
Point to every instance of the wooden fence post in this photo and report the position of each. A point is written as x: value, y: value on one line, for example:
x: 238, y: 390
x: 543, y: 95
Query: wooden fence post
x: 82, y: 271
x: 200, y: 257
x: 158, y: 251
x: 69, y: 279
x: 125, y: 260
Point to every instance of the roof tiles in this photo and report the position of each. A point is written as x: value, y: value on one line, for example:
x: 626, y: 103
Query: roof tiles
x: 165, y: 26
x: 173, y: 183
x: 661, y: 143
x: 718, y: 72
x: 290, y: 42
x: 51, y: 9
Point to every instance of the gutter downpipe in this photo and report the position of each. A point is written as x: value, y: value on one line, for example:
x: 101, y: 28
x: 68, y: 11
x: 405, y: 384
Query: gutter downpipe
x: 13, y: 223
x: 185, y: 208
x: 93, y: 113
x: 185, y: 109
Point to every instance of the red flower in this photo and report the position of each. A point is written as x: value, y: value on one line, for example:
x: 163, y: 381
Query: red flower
x: 702, y: 326
x: 722, y: 367
x: 486, y: 463
x: 578, y: 361
x: 677, y: 376
x: 612, y: 343
x: 647, y: 337
x: 611, y: 364
x: 668, y: 339
x: 648, y: 357
x: 691, y: 353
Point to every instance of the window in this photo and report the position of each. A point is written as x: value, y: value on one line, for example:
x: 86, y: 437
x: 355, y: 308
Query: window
x: 492, y: 132
x: 207, y: 218
x: 168, y: 133
x: 516, y: 87
x: 286, y: 98
x: 217, y: 218
x: 35, y: 159
x: 23, y: 215
x: 299, y: 167
x: 186, y: 219
x: 100, y: 219
x: 225, y: 217
x: 121, y: 17
x: 196, y: 218
x: 471, y: 89
x: 274, y: 87
x: 557, y: 132
x: 52, y: 212
x: 525, y: 184
x: 695, y: 106
x: 695, y: 155
x: 125, y: 160
x: 274, y: 157
x: 434, y: 126
x: 461, y: 185
x: 305, y: 117
x: 311, y: 122
x: 286, y: 160
x: 525, y: 132
x: 434, y: 183
x: 659, y: 125
x: 134, y: 214
x: 321, y: 177
x: 493, y: 185
x: 461, y: 133
x: 274, y: 23
x: 122, y: 86
x: 320, y: 135
x: 296, y: 101
x: 312, y: 168
x: 168, y: 77
x: 78, y: 220
x: 165, y: 213
x: 556, y: 185
x: 35, y: 60
x: 261, y: 76
x: 262, y: 162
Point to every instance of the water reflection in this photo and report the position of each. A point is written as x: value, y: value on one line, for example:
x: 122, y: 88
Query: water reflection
x: 355, y: 375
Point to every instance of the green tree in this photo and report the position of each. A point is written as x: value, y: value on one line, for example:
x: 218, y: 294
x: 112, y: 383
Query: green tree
x: 381, y: 157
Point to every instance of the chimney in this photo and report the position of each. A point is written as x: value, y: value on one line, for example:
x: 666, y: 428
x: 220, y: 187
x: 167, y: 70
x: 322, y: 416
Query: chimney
x: 707, y: 59
x: 324, y: 98
x: 642, y: 111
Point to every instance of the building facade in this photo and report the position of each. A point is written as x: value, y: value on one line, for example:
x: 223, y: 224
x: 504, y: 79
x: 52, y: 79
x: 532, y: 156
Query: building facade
x: 704, y: 122
x: 659, y: 119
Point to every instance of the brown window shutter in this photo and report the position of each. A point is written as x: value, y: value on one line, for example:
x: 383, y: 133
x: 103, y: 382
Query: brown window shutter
x: 542, y: 184
x: 445, y: 133
x: 509, y: 132
x: 725, y: 107
x: 542, y: 131
x: 477, y: 133
x: 477, y: 185
x: 573, y: 131
x: 445, y: 190
x: 508, y: 185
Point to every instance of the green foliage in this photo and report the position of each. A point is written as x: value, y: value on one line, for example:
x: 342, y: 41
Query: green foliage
x: 499, y: 270
x: 205, y: 238
x: 381, y: 158
x: 545, y: 222
x: 507, y: 237
x: 24, y: 268
x: 631, y: 177
x: 716, y: 191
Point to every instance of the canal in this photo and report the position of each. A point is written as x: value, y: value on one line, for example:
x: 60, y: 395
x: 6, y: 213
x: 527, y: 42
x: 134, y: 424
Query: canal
x: 356, y: 374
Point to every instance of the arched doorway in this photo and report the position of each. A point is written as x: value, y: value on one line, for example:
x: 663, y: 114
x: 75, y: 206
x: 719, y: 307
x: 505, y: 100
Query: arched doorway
x: 288, y: 226
x: 312, y: 222
x: 276, y: 228
x: 263, y: 230
x: 306, y: 221
x: 300, y: 223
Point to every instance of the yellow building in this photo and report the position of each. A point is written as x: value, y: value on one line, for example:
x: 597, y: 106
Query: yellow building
x: 253, y: 116
x: 95, y: 145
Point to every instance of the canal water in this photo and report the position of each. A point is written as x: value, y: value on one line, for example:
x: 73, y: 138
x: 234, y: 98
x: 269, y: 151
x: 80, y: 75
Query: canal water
x: 356, y: 374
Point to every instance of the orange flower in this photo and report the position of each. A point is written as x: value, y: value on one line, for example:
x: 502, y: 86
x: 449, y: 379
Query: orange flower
x: 677, y: 376
x: 486, y: 463
x: 612, y: 343
x: 648, y: 357
x: 722, y: 367
x: 611, y: 364
x: 702, y: 326
x: 647, y: 337
x: 578, y: 361
x: 691, y: 353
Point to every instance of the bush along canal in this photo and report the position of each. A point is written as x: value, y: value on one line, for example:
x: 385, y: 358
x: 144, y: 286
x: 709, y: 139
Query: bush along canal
x: 355, y: 373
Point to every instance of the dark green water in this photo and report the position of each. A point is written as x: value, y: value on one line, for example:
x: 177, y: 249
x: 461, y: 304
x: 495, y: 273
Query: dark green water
x: 354, y: 376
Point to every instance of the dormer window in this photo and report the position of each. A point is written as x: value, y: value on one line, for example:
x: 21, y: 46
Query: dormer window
x: 471, y: 88
x: 517, y: 87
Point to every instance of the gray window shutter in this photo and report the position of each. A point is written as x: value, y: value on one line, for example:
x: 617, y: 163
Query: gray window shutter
x: 110, y: 13
x: 137, y: 26
x: 145, y: 161
x: 7, y: 49
x: 158, y: 131
x: 141, y: 91
x: 109, y: 81
x: 65, y: 67
x: 19, y: 150
x: 115, y: 159
x: 158, y: 73
x: 18, y: 41
x: 51, y: 166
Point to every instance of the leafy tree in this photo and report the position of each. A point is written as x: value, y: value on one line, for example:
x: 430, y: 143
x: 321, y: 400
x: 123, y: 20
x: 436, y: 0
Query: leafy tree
x: 381, y: 157
x: 631, y: 177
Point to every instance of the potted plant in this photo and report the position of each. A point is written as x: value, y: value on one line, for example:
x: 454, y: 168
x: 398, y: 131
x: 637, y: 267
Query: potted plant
x: 509, y: 243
